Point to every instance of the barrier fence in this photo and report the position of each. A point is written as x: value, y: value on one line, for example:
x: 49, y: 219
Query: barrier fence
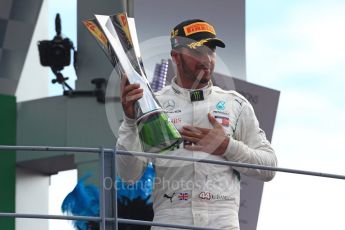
x: 106, y: 223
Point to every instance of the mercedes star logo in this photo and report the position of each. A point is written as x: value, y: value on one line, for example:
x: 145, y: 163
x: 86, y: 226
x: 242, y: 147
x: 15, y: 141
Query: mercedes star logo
x: 169, y: 105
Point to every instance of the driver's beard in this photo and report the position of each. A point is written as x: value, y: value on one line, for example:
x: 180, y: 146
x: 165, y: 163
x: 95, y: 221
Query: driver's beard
x: 190, y: 74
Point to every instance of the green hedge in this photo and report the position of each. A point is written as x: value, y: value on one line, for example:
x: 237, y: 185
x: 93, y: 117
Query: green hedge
x: 8, y: 120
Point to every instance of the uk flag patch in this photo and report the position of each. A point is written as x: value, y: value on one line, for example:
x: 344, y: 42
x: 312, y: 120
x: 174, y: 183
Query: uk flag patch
x: 183, y: 196
x: 224, y: 121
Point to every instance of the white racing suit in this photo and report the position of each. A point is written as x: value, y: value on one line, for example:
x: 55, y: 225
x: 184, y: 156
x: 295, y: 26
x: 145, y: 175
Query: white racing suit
x: 194, y: 193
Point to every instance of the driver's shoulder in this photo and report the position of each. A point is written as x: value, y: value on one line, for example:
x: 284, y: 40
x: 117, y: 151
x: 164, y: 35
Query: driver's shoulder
x: 167, y: 90
x: 229, y: 93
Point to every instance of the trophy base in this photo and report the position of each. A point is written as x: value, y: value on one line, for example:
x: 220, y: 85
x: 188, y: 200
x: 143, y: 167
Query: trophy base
x: 157, y: 133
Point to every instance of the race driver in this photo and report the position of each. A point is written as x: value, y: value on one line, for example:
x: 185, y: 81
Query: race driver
x: 214, y: 123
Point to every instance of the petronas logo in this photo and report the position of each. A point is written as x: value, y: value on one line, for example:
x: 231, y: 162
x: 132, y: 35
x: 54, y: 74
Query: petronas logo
x: 220, y: 105
x: 197, y: 95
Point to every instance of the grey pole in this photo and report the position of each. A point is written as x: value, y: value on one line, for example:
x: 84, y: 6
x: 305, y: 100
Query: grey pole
x: 115, y: 193
x: 98, y: 219
x: 130, y: 8
x: 53, y: 217
x: 232, y: 163
x: 101, y: 188
x: 141, y: 222
x: 154, y: 155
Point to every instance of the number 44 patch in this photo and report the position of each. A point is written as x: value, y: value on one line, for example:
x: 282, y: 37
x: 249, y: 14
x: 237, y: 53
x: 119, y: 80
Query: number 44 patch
x: 205, y: 195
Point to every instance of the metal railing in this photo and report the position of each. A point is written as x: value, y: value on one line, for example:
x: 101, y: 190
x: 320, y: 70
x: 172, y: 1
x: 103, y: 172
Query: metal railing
x: 102, y: 219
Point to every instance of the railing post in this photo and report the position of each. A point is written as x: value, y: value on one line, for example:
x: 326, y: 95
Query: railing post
x: 116, y: 224
x: 101, y: 189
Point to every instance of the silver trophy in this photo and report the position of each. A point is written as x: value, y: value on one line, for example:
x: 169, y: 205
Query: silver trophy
x: 117, y: 36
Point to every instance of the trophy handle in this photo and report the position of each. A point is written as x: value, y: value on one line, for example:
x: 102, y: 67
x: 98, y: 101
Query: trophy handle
x: 147, y: 103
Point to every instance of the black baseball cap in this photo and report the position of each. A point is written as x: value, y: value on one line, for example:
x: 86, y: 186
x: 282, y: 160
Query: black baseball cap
x: 194, y: 33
